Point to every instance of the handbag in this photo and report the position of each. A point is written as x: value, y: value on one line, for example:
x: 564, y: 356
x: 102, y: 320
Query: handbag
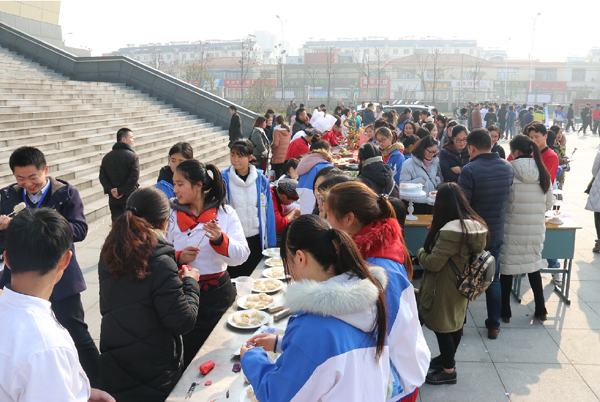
x: 589, y: 187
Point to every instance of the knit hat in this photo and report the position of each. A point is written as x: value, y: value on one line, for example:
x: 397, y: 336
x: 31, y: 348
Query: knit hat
x: 288, y: 187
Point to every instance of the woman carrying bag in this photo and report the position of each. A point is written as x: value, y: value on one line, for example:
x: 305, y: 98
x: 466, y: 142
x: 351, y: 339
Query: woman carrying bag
x: 456, y: 232
x: 525, y: 224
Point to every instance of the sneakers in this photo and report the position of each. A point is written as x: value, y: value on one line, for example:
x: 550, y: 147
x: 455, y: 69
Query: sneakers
x: 557, y: 279
x: 596, y: 248
x: 439, y: 377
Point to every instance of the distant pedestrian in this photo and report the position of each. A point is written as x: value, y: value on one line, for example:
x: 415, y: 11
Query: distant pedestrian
x: 235, y: 128
x: 120, y: 172
x: 290, y: 111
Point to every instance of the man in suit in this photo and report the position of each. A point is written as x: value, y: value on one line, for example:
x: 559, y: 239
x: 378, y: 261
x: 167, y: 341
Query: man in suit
x: 235, y: 128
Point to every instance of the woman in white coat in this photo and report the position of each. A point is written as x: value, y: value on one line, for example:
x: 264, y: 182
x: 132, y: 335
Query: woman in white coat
x: 423, y: 168
x: 525, y: 223
x: 593, y: 203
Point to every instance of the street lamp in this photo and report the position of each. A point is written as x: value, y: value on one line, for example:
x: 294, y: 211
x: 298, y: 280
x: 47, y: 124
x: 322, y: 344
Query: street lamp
x: 282, y: 64
x: 532, y: 42
x: 506, y: 69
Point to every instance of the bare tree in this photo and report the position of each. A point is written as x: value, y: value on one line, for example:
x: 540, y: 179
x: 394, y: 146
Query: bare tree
x: 421, y: 70
x: 330, y: 68
x: 477, y: 74
x: 156, y: 58
x: 196, y: 72
x: 365, y: 67
x: 261, y: 92
x: 381, y: 59
x: 246, y: 62
x: 438, y: 65
x: 313, y: 74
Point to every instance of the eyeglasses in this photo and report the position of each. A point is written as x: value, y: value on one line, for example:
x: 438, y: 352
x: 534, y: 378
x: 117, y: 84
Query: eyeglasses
x: 431, y: 152
x: 461, y: 141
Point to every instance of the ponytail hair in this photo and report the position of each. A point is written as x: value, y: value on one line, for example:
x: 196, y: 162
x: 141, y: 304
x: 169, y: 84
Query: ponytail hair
x: 528, y: 148
x: 333, y: 249
x: 130, y: 243
x: 359, y: 199
x: 213, y: 187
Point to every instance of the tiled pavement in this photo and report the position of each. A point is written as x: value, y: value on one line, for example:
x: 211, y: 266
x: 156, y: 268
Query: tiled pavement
x: 530, y: 361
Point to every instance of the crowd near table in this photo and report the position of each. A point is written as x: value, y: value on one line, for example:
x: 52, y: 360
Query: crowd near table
x: 559, y: 244
x: 220, y: 345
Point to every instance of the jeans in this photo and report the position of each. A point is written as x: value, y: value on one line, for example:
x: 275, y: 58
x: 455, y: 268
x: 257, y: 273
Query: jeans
x: 493, y: 294
x: 509, y: 131
x: 553, y: 263
x: 69, y: 313
x: 597, y: 224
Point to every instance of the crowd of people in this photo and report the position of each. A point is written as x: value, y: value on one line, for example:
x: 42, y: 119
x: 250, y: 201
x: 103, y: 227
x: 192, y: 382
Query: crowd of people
x: 167, y: 265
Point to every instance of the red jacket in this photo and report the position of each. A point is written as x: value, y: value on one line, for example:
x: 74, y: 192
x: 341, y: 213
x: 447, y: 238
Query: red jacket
x: 280, y: 221
x: 332, y: 137
x: 550, y: 160
x: 297, y: 148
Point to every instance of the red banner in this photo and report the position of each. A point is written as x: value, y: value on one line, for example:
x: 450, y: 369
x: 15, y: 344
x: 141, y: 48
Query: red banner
x: 374, y: 82
x: 235, y: 84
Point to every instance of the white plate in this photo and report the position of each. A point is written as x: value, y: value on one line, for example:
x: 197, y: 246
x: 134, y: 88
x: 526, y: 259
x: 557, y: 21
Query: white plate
x: 264, y: 321
x: 268, y: 273
x: 241, y: 302
x: 268, y: 291
x: 244, y: 395
x: 271, y: 262
x: 271, y: 252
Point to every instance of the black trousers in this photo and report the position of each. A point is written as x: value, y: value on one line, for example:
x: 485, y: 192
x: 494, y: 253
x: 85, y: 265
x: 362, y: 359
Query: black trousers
x: 502, y: 128
x: 586, y: 123
x: 535, y: 280
x: 69, y: 313
x: 570, y: 124
x: 597, y: 222
x: 595, y: 127
x: 278, y: 169
x: 248, y: 267
x: 448, y: 344
x: 214, y: 302
x: 117, y: 207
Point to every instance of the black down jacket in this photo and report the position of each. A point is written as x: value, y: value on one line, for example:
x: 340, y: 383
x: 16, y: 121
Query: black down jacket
x: 142, y: 323
x: 377, y: 175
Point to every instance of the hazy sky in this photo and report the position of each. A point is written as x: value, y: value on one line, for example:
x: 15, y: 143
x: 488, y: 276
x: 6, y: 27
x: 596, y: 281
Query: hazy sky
x: 108, y: 25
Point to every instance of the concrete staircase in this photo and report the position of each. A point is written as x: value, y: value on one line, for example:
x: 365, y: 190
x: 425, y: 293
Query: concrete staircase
x: 75, y: 124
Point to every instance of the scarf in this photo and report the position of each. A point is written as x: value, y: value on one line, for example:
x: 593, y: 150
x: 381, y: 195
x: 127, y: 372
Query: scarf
x: 427, y: 163
x: 381, y: 239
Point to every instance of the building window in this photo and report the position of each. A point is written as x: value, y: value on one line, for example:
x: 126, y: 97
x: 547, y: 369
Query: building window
x: 456, y: 51
x: 471, y: 52
x: 512, y: 74
x: 395, y: 51
x: 406, y: 51
x: 168, y: 57
x: 578, y: 74
x: 545, y: 74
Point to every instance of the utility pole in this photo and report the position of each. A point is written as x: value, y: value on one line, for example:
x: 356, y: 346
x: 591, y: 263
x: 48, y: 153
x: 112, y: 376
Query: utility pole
x: 282, y: 64
x: 532, y: 41
x: 462, y: 77
x: 506, y: 70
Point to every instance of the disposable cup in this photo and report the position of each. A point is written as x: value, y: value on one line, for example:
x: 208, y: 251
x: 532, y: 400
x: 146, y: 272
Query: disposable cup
x: 243, y: 285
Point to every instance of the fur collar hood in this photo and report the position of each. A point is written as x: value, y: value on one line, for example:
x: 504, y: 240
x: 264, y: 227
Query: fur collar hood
x: 381, y: 239
x: 344, y: 297
x: 397, y: 146
x: 313, y: 159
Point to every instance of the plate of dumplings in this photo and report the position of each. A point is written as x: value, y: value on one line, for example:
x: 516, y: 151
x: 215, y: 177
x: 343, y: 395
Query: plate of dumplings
x: 248, y: 319
x: 260, y: 301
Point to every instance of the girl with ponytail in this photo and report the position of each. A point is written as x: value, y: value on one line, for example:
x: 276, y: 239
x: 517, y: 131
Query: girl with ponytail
x: 525, y: 223
x: 145, y: 306
x: 339, y: 326
x: 249, y: 193
x: 371, y: 221
x: 207, y: 235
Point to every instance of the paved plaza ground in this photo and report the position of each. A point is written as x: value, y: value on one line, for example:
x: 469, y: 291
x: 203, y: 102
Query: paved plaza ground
x: 530, y: 361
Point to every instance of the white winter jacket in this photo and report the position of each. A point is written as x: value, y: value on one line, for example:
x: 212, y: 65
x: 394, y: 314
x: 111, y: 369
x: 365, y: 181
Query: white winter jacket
x: 525, y: 222
x: 243, y: 198
x: 593, y: 203
x: 414, y: 171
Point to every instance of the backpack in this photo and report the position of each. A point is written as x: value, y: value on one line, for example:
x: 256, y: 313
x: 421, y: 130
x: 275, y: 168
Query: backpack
x: 477, y: 275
